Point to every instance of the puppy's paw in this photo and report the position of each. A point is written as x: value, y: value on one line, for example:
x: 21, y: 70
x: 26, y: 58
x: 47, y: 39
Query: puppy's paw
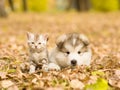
x: 45, y: 68
x: 53, y: 66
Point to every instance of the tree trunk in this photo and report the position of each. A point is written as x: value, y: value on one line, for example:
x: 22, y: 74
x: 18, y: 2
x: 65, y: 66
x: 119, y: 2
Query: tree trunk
x: 73, y: 4
x: 2, y: 9
x: 11, y: 5
x: 84, y: 5
x: 24, y: 5
x: 87, y: 4
x: 79, y: 5
x: 69, y: 4
x: 119, y: 4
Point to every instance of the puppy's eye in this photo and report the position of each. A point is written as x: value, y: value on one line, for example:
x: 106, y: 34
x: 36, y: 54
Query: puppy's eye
x: 32, y: 42
x: 68, y: 52
x: 79, y: 52
x: 39, y: 43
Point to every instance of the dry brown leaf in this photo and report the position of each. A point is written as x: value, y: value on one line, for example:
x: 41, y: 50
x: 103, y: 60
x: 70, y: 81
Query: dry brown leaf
x: 115, y: 79
x: 34, y: 81
x: 57, y: 88
x: 14, y: 87
x: 92, y: 80
x: 76, y: 84
x: 3, y: 75
x: 41, y: 84
x: 6, y: 83
x: 115, y: 83
x: 117, y: 73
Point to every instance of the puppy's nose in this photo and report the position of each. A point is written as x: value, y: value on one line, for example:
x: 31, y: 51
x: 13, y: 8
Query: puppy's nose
x: 73, y: 62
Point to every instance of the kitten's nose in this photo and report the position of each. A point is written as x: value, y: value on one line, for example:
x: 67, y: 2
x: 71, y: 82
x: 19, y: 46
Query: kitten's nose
x: 35, y: 46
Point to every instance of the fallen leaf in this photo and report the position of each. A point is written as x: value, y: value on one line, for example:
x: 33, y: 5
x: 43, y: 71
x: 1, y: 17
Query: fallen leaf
x: 3, y: 75
x: 76, y: 84
x: 6, y: 83
x: 14, y: 87
x: 34, y: 81
x: 117, y: 73
x: 101, y: 84
x: 56, y: 88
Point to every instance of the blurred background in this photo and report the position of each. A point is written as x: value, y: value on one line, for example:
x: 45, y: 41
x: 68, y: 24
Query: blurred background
x: 99, y: 20
x: 7, y: 6
x: 92, y: 17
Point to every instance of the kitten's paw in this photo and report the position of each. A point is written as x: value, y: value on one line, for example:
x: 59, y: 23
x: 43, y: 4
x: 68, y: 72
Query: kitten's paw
x: 32, y: 69
x: 53, y: 66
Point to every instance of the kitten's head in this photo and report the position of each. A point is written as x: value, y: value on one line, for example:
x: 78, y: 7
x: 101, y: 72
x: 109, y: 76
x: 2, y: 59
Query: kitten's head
x: 37, y: 42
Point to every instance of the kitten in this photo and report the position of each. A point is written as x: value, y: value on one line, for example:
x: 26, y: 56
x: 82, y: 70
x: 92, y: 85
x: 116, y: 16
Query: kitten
x: 38, y: 54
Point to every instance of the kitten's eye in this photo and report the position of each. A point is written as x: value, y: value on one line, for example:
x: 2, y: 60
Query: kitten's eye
x: 32, y: 42
x: 68, y: 52
x: 79, y: 52
x: 39, y: 43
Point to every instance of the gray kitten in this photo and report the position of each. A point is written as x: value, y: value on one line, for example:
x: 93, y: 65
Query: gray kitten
x: 38, y: 54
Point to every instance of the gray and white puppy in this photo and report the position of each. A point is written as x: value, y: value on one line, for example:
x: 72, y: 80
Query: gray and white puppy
x: 71, y: 50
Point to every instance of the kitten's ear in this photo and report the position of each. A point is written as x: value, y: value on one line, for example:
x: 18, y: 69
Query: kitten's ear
x: 84, y: 39
x: 30, y: 35
x: 60, y: 40
x: 46, y: 37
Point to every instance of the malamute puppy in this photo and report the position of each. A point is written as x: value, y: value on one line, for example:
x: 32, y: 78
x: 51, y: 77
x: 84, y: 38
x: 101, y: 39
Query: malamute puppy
x: 71, y: 50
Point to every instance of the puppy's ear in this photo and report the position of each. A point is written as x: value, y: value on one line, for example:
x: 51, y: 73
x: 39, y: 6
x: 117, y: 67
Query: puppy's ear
x: 30, y: 35
x: 60, y: 41
x: 84, y: 39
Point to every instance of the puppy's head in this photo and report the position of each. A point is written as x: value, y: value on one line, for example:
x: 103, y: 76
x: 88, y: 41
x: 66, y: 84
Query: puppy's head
x: 73, y: 46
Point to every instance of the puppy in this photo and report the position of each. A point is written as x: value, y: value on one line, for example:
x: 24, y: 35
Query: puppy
x: 71, y: 50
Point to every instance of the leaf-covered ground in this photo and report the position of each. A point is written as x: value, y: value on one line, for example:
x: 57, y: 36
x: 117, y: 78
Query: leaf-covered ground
x: 103, y: 30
